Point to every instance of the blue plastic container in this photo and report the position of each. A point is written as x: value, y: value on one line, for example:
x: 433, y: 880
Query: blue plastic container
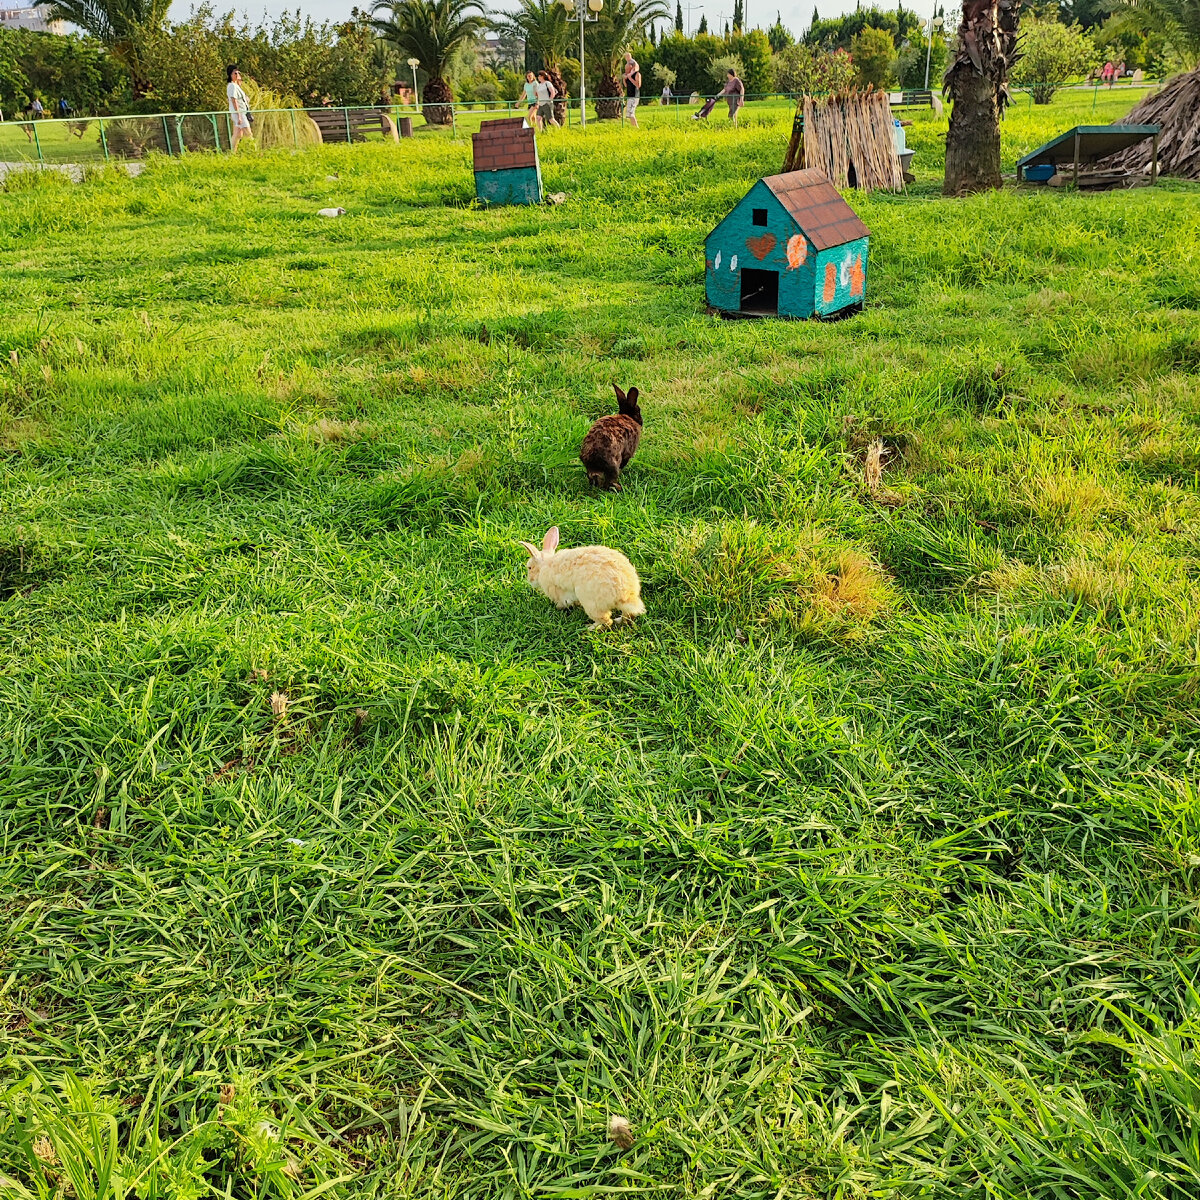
x: 1040, y: 173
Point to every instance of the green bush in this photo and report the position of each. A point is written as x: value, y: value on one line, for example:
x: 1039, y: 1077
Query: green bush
x: 805, y: 69
x: 910, y: 63
x: 753, y: 51
x: 873, y: 56
x: 1052, y: 54
x: 688, y: 57
x: 53, y: 67
x: 186, y: 62
x: 720, y: 67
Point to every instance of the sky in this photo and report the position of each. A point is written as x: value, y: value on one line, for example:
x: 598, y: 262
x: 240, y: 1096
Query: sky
x: 796, y: 13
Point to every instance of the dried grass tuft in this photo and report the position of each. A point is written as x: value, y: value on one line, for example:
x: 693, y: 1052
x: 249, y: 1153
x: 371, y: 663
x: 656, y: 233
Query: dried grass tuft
x: 873, y: 462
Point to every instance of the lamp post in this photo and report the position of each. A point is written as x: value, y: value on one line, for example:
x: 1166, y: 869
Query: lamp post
x: 577, y: 12
x: 414, y: 63
x: 930, y: 25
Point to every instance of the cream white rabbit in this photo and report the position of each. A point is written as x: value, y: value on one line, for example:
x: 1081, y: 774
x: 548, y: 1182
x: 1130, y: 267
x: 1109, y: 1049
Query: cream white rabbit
x: 596, y: 578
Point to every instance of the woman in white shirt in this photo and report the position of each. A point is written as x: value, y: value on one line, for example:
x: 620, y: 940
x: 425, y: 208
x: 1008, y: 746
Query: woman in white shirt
x: 545, y: 99
x: 239, y: 108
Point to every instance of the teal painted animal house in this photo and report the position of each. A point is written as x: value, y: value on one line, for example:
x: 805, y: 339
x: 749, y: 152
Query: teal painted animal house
x: 791, y: 247
x: 506, y: 164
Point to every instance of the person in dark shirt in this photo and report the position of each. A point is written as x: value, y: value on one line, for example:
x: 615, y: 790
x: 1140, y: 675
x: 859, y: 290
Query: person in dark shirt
x: 633, y: 88
x: 734, y: 92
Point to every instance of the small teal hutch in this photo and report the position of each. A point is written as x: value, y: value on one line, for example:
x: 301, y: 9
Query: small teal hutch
x: 792, y: 247
x: 506, y: 164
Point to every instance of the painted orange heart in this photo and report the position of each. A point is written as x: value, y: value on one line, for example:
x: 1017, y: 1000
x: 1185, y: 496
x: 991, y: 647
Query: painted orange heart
x: 760, y: 247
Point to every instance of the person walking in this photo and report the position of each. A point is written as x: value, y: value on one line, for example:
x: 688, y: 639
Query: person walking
x: 545, y: 99
x: 36, y: 109
x: 734, y: 92
x: 633, y: 88
x: 531, y: 101
x: 666, y: 94
x: 239, y: 107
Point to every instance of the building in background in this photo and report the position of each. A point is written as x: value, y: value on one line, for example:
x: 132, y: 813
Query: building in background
x: 501, y: 51
x: 34, y: 18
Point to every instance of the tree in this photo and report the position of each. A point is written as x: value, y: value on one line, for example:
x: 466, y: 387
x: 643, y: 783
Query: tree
x: 678, y: 16
x: 548, y: 38
x: 1088, y: 13
x: 778, y: 36
x: 737, y: 16
x: 872, y: 53
x: 703, y: 26
x: 911, y: 60
x: 1177, y: 20
x: 124, y: 26
x: 807, y: 70
x: 841, y: 31
x: 754, y: 52
x: 621, y: 23
x: 57, y: 66
x: 432, y: 31
x: 1051, y: 54
x: 292, y: 56
x: 689, y: 59
x: 977, y: 80
x: 1117, y: 41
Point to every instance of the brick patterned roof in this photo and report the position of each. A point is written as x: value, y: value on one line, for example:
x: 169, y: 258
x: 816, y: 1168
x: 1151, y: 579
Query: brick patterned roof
x: 502, y: 145
x: 819, y: 210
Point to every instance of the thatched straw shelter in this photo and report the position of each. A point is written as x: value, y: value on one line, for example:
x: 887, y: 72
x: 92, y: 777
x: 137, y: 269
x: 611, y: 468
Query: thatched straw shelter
x: 849, y: 138
x: 1176, y: 107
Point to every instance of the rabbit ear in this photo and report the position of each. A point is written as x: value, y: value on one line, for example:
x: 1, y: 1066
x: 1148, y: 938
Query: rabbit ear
x: 533, y: 550
x: 632, y: 397
x: 620, y: 396
x: 550, y: 540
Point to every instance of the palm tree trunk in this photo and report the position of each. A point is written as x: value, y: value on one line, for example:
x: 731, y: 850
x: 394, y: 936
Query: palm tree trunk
x: 560, y: 87
x: 977, y: 80
x: 608, y: 97
x: 435, y: 101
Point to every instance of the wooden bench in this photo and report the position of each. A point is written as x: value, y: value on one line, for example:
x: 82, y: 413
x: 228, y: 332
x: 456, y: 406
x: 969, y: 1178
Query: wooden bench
x: 911, y: 99
x: 352, y: 124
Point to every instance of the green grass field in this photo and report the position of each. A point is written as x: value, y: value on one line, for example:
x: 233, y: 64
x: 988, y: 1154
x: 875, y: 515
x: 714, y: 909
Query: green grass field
x: 55, y: 141
x: 336, y: 862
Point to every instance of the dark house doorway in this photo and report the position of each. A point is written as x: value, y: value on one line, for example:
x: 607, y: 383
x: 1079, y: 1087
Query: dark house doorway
x: 760, y: 291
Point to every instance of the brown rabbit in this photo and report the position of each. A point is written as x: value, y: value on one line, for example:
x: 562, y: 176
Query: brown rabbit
x: 612, y: 441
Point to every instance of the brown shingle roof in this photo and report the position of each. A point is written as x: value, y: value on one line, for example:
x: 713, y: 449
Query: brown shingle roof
x: 502, y: 145
x: 814, y: 202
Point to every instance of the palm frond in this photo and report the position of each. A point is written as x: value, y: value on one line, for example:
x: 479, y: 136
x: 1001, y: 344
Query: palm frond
x: 543, y: 26
x: 430, y: 30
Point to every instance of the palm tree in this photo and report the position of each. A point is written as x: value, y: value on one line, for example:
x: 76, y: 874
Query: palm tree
x: 542, y: 25
x: 1177, y: 20
x: 621, y: 23
x: 121, y: 25
x: 977, y: 80
x: 430, y: 30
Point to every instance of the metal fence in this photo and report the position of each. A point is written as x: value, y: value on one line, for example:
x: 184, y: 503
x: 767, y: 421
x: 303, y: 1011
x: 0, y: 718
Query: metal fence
x: 84, y: 140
